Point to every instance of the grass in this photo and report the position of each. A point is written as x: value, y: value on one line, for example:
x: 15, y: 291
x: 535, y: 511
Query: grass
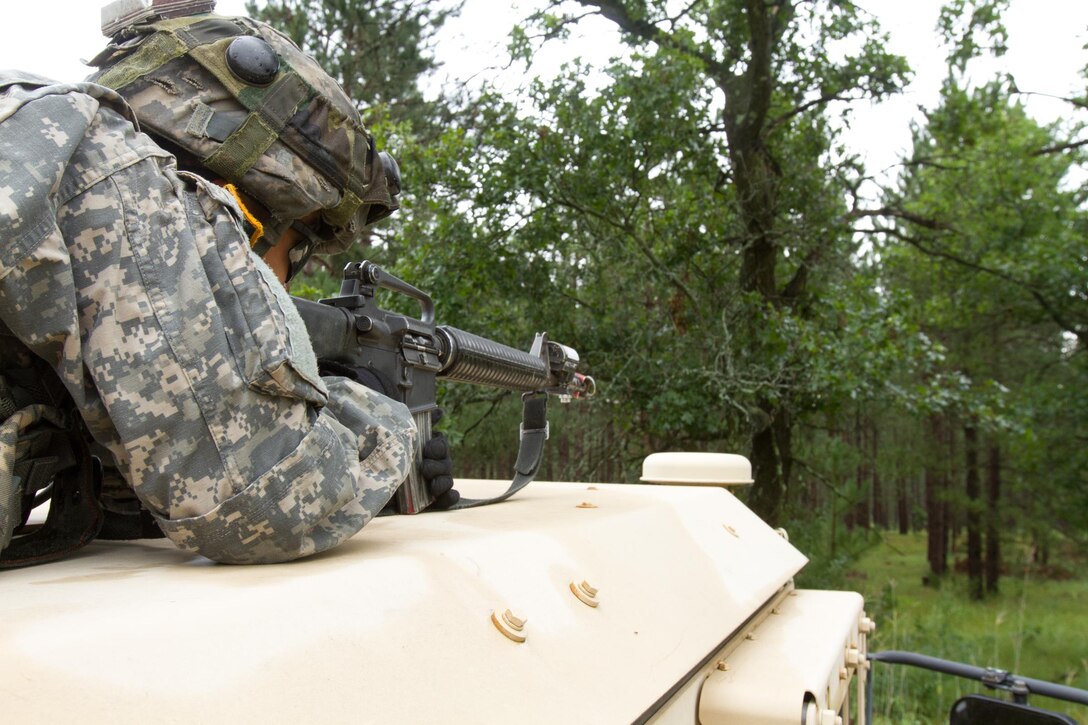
x: 1036, y: 626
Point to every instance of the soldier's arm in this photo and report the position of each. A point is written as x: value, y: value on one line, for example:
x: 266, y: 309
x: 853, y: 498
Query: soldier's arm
x: 182, y: 358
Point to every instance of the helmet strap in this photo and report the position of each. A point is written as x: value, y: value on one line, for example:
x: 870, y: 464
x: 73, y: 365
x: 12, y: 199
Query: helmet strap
x: 304, y: 249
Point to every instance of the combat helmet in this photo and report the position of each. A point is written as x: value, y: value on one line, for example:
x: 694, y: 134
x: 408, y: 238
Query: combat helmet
x: 239, y: 99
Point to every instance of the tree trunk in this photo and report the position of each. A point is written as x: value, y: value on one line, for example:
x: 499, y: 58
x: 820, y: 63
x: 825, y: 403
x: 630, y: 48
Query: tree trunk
x: 848, y: 508
x: 952, y: 519
x: 768, y: 492
x: 903, y: 504
x: 880, y: 510
x: 973, y: 517
x: 993, y: 518
x: 756, y: 179
x: 862, y: 514
x: 564, y: 453
x: 783, y: 441
x: 936, y: 541
x: 834, y: 526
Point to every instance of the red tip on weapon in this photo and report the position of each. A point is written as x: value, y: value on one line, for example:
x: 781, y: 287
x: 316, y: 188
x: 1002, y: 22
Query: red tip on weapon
x: 584, y: 386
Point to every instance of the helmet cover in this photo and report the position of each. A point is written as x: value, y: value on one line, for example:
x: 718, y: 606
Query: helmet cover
x: 244, y: 102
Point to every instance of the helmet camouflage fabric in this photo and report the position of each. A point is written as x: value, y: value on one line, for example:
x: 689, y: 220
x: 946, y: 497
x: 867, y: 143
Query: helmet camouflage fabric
x: 241, y: 100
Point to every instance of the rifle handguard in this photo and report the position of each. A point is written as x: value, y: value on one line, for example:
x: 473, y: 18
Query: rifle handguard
x: 469, y: 358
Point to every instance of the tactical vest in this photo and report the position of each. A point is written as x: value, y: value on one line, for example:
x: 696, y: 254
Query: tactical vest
x: 43, y: 458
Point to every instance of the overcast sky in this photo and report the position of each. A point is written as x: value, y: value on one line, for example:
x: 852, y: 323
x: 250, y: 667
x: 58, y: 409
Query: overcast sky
x: 1046, y: 52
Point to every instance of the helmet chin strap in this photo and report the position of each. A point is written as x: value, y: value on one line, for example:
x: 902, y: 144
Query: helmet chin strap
x: 309, y: 241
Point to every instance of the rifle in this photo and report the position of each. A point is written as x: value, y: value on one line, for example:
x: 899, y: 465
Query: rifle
x: 408, y: 355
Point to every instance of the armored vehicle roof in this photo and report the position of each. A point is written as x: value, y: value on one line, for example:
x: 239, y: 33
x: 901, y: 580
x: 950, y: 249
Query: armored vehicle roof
x: 618, y: 591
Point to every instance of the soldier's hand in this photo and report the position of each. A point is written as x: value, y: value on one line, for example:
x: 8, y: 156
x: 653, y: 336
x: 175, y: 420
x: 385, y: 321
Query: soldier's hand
x: 437, y: 468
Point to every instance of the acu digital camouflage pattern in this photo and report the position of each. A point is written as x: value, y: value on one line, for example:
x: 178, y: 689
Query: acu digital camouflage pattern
x: 136, y: 284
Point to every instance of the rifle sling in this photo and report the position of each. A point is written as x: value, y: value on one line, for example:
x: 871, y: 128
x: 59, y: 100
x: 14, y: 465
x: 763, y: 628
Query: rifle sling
x: 534, y: 431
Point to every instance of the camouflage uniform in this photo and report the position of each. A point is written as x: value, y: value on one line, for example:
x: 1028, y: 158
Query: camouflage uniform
x: 186, y: 360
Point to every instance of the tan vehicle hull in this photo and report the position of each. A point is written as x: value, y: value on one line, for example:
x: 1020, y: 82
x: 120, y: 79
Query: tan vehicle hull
x: 568, y: 603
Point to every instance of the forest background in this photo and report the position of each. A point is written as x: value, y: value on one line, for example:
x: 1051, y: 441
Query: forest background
x: 900, y: 351
x: 689, y: 219
x: 896, y: 351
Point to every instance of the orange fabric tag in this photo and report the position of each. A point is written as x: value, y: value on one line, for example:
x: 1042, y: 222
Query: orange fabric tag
x: 258, y: 228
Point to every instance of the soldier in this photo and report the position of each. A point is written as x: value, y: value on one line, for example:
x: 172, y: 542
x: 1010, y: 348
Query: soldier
x: 139, y: 283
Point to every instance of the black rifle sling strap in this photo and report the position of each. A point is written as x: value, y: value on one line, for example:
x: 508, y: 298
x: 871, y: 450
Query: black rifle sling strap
x: 534, y: 431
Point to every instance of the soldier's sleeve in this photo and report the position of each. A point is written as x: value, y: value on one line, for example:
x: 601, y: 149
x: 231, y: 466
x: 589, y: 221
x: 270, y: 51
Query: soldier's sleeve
x: 183, y: 360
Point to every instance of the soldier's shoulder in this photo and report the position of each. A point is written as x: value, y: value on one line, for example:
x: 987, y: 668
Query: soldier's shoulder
x: 83, y: 131
x: 56, y: 140
x: 21, y: 88
x: 11, y: 77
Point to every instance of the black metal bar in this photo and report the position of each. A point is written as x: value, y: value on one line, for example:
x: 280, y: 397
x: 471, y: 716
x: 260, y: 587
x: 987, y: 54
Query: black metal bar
x: 990, y: 677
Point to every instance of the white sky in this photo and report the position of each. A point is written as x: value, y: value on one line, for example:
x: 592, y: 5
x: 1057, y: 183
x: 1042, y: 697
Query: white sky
x: 1046, y: 52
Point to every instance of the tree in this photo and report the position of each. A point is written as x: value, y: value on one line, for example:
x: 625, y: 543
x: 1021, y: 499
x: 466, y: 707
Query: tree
x: 732, y: 194
x: 990, y: 239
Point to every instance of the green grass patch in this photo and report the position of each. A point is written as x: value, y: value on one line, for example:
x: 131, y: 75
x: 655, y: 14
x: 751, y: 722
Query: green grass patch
x: 1036, y: 626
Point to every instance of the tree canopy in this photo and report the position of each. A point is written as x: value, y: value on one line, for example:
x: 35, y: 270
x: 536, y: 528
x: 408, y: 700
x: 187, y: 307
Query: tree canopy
x: 689, y: 217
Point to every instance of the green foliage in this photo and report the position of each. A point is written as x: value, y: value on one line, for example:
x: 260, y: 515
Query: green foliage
x: 613, y: 219
x: 972, y: 28
x: 992, y: 252
x: 832, y: 551
x: 688, y: 221
x: 1033, y: 628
